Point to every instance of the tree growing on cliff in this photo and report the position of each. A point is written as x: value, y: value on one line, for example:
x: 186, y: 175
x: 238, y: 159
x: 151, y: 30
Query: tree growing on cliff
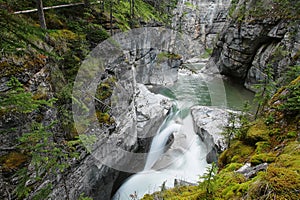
x: 230, y: 130
x: 208, y: 180
x: 266, y: 89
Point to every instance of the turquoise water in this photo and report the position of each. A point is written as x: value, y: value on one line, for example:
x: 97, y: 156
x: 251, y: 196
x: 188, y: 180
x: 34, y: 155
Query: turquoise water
x: 201, y: 89
x: 189, y: 90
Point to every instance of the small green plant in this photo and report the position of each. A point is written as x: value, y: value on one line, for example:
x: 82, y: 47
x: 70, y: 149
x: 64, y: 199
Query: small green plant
x: 208, y: 180
x: 207, y: 53
x: 292, y: 134
x: 269, y: 119
x: 83, y: 197
x: 230, y: 130
x: 266, y: 88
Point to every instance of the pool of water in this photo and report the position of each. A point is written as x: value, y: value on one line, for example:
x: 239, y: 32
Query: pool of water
x: 186, y: 157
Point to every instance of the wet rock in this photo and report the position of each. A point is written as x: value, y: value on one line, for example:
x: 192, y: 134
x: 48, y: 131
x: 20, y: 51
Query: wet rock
x: 179, y: 182
x: 208, y: 124
x: 156, y: 68
x: 137, y: 113
x: 150, y: 106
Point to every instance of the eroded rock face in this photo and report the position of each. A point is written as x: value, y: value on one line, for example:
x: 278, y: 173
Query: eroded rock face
x: 247, y: 46
x: 137, y: 113
x: 202, y: 20
x: 92, y: 176
x: 155, y: 68
x: 150, y: 106
x: 208, y: 124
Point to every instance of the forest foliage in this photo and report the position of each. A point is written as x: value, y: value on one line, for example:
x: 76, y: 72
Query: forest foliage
x: 40, y: 148
x: 36, y: 121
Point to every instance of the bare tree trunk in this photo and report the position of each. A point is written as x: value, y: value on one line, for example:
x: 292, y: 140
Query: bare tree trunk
x: 132, y: 7
x: 40, y: 9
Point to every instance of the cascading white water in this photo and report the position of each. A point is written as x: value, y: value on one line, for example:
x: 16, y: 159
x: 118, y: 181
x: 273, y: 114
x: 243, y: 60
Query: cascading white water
x: 184, y: 160
x: 159, y: 142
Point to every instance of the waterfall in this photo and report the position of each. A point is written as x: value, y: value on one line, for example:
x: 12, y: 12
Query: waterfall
x: 185, y: 159
x: 160, y: 140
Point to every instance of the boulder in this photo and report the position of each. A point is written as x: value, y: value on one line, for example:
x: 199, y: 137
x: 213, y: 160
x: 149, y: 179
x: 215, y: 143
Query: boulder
x: 208, y: 124
x: 249, y: 171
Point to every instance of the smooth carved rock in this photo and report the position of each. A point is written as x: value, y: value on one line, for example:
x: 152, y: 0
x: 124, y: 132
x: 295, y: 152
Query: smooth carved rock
x: 150, y: 106
x: 208, y: 124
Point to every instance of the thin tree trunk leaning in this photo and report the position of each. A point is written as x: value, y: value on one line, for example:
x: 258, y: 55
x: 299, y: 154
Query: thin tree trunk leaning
x: 132, y: 13
x: 54, y: 7
x: 41, y: 14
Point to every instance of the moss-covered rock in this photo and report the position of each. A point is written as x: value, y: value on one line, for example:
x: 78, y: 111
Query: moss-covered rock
x: 228, y: 185
x: 238, y: 153
x: 262, y: 158
x: 256, y: 133
x: 283, y: 182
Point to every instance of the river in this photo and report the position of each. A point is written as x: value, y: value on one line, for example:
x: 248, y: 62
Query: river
x: 185, y: 159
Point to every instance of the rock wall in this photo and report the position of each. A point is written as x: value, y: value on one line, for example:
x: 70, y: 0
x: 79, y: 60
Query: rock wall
x: 202, y: 20
x: 250, y: 43
x: 137, y: 113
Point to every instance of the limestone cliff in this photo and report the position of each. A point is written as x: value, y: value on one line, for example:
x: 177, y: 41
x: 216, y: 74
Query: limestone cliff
x: 257, y: 36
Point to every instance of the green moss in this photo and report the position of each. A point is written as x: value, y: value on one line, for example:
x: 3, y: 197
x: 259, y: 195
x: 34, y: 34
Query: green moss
x: 163, y: 56
x: 65, y: 36
x: 232, y: 167
x: 14, y: 66
x: 292, y: 134
x: 290, y: 157
x: 284, y: 182
x: 104, y: 91
x: 182, y: 193
x: 262, y: 147
x: 256, y: 133
x: 238, y: 153
x: 227, y: 185
x: 104, y: 118
x: 12, y: 161
x: 40, y: 95
x: 262, y: 158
